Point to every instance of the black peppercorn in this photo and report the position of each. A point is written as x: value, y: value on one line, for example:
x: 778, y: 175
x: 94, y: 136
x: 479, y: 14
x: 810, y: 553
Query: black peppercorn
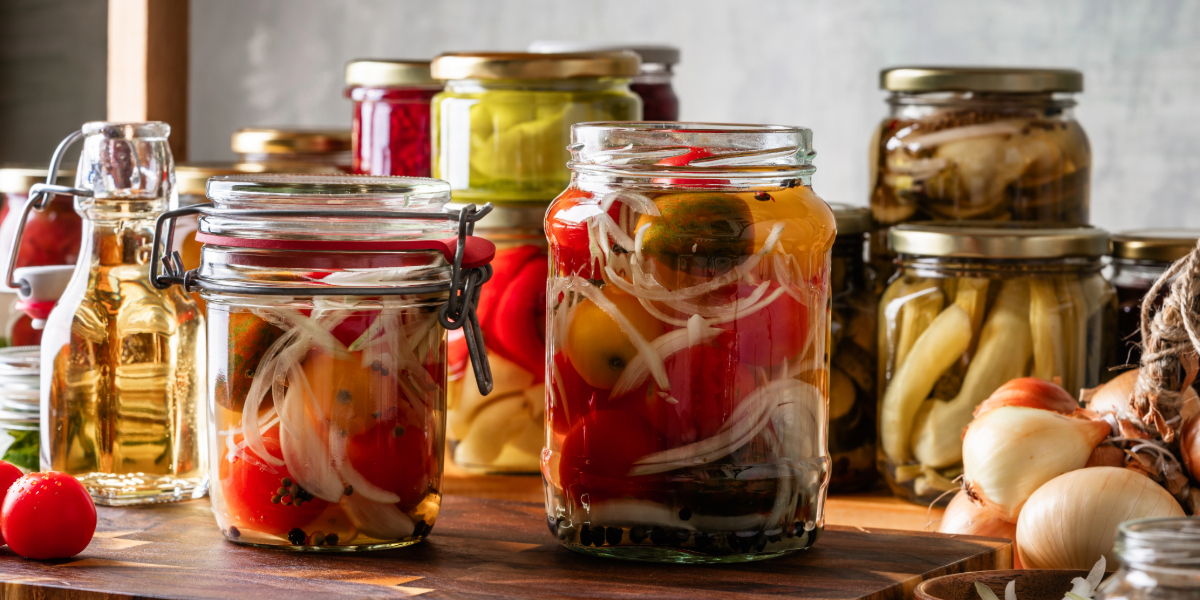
x: 685, y: 513
x: 296, y: 536
x: 234, y: 533
x: 613, y: 535
x: 658, y: 536
x: 762, y: 196
x: 637, y: 534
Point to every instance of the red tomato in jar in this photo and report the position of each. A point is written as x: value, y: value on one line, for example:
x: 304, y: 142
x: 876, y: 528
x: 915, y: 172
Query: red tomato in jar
x: 567, y: 230
x: 396, y: 456
x: 707, y: 385
x: 251, y: 489
x: 599, y: 451
x: 775, y: 332
x: 8, y: 474
x: 48, y: 515
x: 571, y: 397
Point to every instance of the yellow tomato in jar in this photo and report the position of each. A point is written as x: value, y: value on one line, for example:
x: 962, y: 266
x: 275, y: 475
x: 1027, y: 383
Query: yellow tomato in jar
x: 598, y: 347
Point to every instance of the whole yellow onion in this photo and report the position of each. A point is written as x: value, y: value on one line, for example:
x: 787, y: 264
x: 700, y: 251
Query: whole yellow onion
x: 1071, y: 520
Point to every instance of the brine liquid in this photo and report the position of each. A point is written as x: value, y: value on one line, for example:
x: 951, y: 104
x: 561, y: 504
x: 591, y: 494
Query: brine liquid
x: 123, y: 381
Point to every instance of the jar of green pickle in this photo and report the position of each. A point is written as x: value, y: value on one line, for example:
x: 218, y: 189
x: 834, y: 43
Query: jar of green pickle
x: 852, y: 363
x: 502, y: 125
x: 971, y: 307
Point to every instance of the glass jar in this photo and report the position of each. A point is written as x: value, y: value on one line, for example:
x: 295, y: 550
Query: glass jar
x: 293, y: 150
x: 653, y: 82
x: 190, y: 183
x: 972, y: 306
x: 502, y: 125
x: 327, y: 367
x: 852, y: 400
x: 1139, y: 258
x: 503, y: 432
x: 52, y: 237
x: 973, y: 143
x: 20, y: 406
x: 122, y: 389
x: 391, y: 116
x: 1160, y: 560
x: 688, y: 322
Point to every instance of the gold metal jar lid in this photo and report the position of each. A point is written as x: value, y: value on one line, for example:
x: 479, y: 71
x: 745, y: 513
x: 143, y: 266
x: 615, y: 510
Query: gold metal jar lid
x: 389, y: 73
x: 1159, y: 245
x: 17, y: 179
x: 998, y: 239
x: 190, y: 178
x: 851, y: 220
x: 290, y: 141
x: 980, y: 79
x: 533, y: 65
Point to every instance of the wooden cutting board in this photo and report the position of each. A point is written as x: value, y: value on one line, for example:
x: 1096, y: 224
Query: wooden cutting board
x: 479, y: 548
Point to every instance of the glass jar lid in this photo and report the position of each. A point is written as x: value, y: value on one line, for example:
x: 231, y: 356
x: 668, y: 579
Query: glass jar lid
x: 998, y: 239
x: 533, y: 65
x: 389, y: 73
x: 290, y: 141
x: 980, y: 79
x: 649, y: 53
x: 1159, y: 245
x: 17, y: 179
x: 851, y: 220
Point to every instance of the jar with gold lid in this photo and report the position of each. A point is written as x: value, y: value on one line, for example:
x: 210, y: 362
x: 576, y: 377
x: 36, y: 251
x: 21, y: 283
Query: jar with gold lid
x: 274, y: 150
x: 1139, y: 258
x: 391, y: 130
x: 971, y: 307
x: 502, y: 126
x: 975, y: 143
x: 653, y: 82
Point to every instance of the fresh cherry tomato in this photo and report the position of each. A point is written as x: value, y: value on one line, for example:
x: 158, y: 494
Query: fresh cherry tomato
x: 707, y: 384
x: 395, y: 455
x: 251, y: 489
x: 48, y: 515
x: 8, y: 474
x: 599, y: 451
x: 768, y: 336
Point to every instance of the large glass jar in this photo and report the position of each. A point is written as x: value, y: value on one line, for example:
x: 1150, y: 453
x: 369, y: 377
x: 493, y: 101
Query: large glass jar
x: 52, y: 237
x: 327, y: 361
x: 391, y: 134
x: 1139, y: 258
x: 1160, y: 560
x: 122, y: 382
x: 653, y: 82
x: 688, y: 323
x: 973, y: 143
x: 502, y: 126
x: 852, y: 399
x: 273, y: 150
x: 972, y: 306
x: 503, y: 432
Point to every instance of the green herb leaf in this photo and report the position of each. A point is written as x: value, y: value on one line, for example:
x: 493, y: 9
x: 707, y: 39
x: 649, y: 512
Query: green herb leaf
x: 24, y: 449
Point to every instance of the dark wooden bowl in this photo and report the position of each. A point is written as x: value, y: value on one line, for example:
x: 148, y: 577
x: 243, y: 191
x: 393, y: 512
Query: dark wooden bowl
x: 1032, y: 584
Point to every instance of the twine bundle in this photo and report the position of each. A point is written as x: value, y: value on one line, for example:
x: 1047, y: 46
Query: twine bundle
x: 1170, y: 346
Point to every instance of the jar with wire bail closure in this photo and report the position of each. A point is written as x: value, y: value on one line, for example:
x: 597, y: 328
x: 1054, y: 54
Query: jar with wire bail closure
x: 971, y: 307
x: 688, y: 315
x: 329, y: 299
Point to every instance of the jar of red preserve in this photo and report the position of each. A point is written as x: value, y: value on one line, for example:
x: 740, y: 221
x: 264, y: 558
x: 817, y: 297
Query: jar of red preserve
x: 328, y: 299
x: 688, y: 330
x: 52, y: 237
x: 391, y: 116
x: 653, y: 82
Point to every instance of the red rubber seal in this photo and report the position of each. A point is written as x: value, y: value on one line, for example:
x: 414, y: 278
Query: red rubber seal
x: 476, y: 253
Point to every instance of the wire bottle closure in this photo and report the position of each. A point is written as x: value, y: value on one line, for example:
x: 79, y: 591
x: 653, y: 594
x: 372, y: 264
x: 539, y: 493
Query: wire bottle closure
x: 469, y: 257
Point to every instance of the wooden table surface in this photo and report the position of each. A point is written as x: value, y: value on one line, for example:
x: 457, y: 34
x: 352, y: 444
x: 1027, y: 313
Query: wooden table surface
x: 486, y: 548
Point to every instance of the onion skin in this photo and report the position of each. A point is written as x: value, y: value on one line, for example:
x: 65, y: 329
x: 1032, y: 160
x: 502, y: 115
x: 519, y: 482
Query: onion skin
x: 1106, y: 455
x: 1011, y: 451
x: 964, y: 516
x: 1189, y: 437
x: 1071, y: 521
x: 1114, y: 396
x: 1030, y: 392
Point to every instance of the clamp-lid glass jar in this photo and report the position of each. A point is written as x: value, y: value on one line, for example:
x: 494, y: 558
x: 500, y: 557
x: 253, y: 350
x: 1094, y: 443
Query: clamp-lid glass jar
x: 328, y: 299
x: 391, y: 133
x: 653, y: 82
x: 973, y: 306
x: 293, y: 150
x: 974, y: 143
x: 1139, y: 258
x: 688, y: 323
x: 852, y: 399
x: 502, y: 126
x: 504, y: 431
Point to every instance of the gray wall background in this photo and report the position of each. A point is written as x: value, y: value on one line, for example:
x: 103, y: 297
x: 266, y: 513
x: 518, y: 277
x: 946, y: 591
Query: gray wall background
x: 800, y: 62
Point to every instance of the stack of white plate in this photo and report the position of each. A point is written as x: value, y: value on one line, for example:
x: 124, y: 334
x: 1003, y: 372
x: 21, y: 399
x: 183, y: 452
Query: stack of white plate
x: 20, y: 375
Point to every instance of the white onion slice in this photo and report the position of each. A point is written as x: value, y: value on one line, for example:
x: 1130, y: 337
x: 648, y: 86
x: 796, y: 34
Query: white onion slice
x: 380, y: 521
x: 917, y: 142
x: 664, y: 346
x: 634, y: 200
x: 305, y: 452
